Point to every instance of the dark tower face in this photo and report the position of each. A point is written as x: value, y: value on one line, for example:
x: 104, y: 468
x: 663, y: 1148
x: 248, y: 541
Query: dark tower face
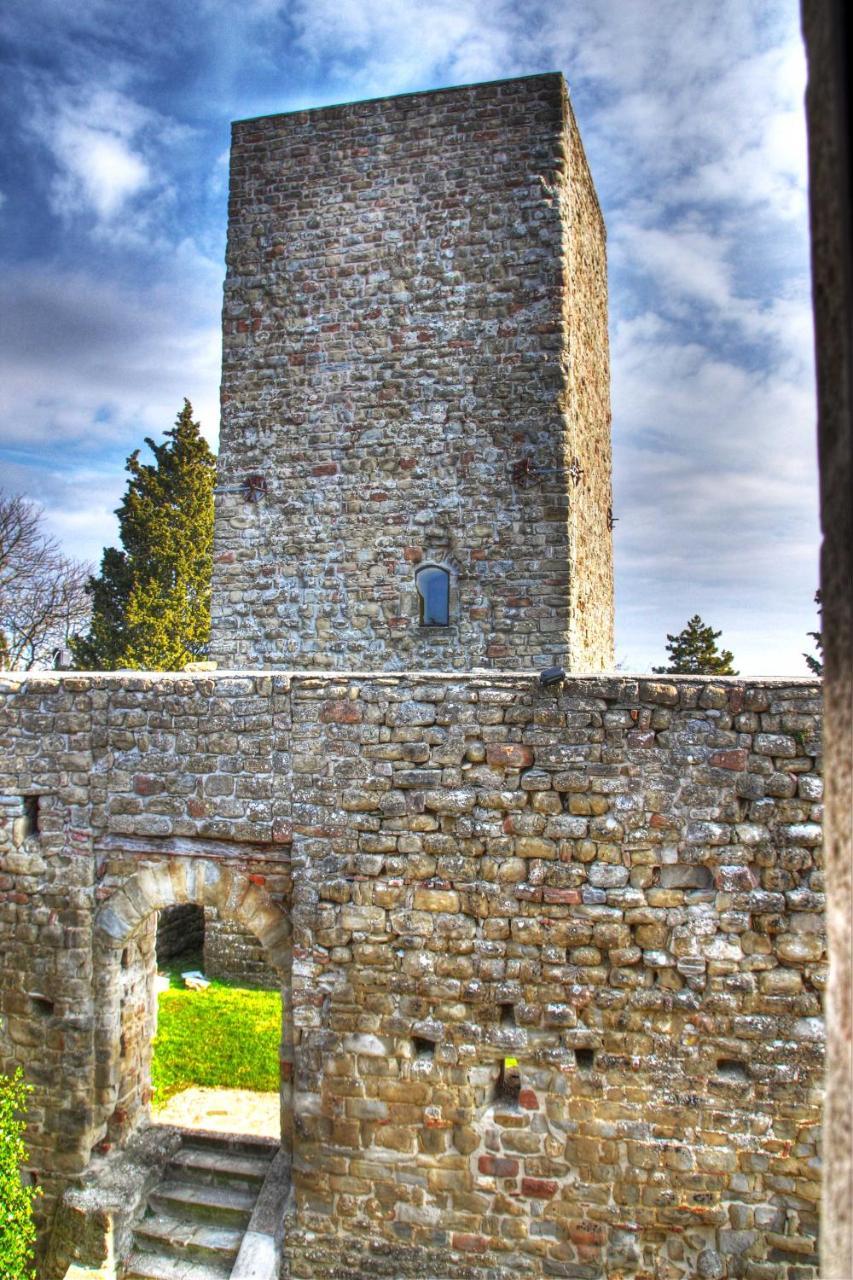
x: 415, y: 449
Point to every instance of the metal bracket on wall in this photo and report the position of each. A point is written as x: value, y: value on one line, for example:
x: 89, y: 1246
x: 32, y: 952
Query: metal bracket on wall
x: 525, y: 472
x: 575, y: 471
x: 253, y: 488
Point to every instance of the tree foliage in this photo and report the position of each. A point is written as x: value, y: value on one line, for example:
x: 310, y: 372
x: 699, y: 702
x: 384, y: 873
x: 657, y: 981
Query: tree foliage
x: 151, y: 601
x: 694, y: 652
x: 43, y: 600
x: 17, y: 1230
x: 814, y: 662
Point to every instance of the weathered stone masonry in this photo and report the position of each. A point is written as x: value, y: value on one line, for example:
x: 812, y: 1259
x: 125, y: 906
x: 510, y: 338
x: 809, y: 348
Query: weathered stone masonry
x: 415, y: 371
x: 550, y: 958
x: 618, y: 886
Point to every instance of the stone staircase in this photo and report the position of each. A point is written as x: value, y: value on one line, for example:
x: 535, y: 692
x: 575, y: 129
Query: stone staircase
x: 197, y: 1216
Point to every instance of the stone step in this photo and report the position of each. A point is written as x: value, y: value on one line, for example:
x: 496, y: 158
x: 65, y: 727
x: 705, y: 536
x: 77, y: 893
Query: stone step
x: 208, y: 1165
x: 182, y: 1238
x: 235, y: 1143
x: 231, y: 1206
x: 197, y: 1216
x: 160, y: 1266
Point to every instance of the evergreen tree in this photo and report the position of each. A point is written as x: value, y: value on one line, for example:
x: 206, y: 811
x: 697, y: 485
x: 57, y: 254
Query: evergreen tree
x: 815, y: 664
x: 694, y: 652
x: 151, y: 601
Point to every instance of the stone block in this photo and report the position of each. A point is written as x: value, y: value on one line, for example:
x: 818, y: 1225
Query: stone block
x: 509, y: 755
x: 539, y: 1188
x: 436, y: 900
x: 498, y: 1166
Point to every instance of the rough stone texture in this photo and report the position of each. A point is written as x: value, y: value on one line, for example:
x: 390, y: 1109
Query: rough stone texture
x: 826, y: 26
x: 416, y: 363
x: 235, y: 955
x: 95, y: 1220
x: 550, y: 960
x: 630, y: 905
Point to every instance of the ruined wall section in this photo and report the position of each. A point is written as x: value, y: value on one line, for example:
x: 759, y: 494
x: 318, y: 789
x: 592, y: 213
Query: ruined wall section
x: 47, y: 888
x: 180, y: 930
x: 395, y: 368
x: 619, y: 887
x: 135, y: 777
x: 617, y: 884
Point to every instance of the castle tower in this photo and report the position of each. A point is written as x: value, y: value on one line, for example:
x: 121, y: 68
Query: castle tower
x: 415, y: 449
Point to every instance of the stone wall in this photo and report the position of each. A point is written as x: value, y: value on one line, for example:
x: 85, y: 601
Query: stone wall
x: 95, y: 772
x: 235, y: 955
x: 415, y: 371
x: 629, y: 874
x: 225, y: 950
x: 615, y: 885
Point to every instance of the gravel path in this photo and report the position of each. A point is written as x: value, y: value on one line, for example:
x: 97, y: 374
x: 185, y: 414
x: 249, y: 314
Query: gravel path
x: 224, y: 1111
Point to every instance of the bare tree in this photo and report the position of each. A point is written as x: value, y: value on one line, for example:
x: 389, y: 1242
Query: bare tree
x: 43, y: 600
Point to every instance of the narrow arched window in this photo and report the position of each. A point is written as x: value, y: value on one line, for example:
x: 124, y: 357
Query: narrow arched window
x: 433, y: 584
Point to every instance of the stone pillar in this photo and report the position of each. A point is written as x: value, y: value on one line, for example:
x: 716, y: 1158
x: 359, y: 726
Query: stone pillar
x: 826, y: 26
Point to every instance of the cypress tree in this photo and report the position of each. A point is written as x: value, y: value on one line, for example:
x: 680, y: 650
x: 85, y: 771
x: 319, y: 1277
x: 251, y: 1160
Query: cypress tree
x: 694, y: 652
x: 151, y: 600
x: 814, y: 662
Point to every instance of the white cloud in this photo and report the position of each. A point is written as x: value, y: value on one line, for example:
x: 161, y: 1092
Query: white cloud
x: 715, y: 484
x: 79, y: 502
x: 91, y: 363
x: 106, y: 150
x: 100, y: 167
x: 687, y: 260
x: 387, y: 46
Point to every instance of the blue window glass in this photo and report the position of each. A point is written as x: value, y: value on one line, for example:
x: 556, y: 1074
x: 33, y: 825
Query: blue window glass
x: 433, y: 586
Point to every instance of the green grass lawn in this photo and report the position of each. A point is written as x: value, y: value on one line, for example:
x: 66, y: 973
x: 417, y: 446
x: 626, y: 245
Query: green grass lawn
x: 222, y: 1037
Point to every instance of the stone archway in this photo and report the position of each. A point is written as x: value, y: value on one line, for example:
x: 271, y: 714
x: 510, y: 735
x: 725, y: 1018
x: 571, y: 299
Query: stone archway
x: 124, y: 963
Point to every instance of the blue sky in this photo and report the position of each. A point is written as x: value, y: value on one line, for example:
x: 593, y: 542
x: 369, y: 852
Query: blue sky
x: 113, y: 186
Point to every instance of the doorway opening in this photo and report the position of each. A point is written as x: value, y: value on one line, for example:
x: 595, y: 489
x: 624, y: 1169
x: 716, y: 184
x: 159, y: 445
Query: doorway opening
x: 215, y: 1050
x: 177, y: 1045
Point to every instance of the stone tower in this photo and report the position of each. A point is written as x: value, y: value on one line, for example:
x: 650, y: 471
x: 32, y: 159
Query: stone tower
x: 415, y: 449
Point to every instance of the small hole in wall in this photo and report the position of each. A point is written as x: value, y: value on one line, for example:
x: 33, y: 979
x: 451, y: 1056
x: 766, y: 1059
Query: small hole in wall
x: 585, y: 1059
x: 31, y: 816
x: 423, y: 1048
x: 125, y: 958
x: 507, y: 1012
x: 508, y: 1085
x: 732, y: 1069
x: 42, y: 1006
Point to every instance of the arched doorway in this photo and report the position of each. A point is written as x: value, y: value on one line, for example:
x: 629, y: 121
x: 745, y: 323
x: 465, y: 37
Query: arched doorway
x: 125, y: 969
